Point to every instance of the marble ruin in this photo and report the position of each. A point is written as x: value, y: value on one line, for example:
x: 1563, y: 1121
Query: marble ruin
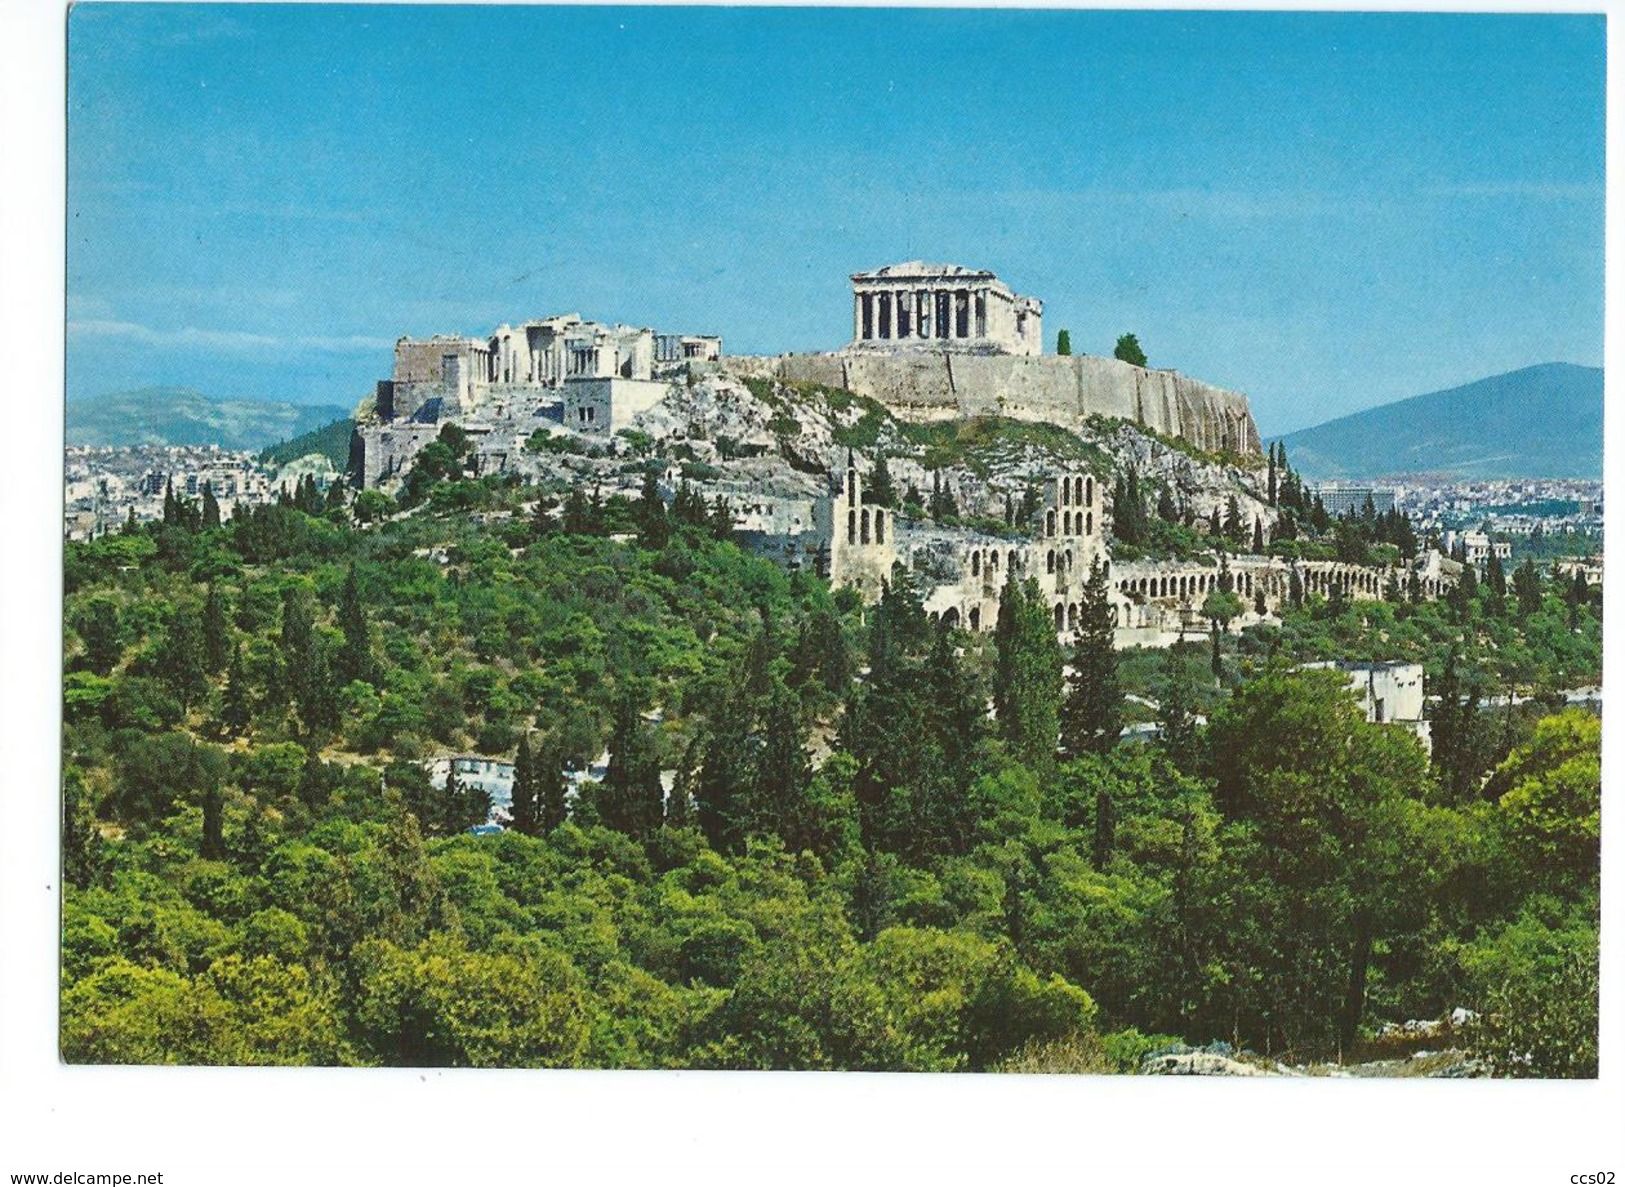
x: 943, y: 307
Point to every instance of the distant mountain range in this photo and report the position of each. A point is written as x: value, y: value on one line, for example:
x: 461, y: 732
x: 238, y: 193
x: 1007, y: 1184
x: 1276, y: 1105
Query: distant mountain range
x: 181, y: 416
x: 1541, y: 422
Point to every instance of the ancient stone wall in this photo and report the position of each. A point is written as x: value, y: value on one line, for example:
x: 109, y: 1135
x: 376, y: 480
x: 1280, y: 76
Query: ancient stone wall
x: 1065, y: 390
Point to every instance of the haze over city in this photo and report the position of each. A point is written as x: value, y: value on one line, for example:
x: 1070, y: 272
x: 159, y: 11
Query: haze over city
x: 1326, y: 212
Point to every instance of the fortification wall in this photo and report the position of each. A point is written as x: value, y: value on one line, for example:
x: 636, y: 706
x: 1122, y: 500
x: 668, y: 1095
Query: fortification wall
x: 1064, y: 390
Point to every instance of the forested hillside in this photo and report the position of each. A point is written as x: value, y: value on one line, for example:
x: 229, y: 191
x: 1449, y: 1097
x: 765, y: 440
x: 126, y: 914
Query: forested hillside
x: 873, y: 854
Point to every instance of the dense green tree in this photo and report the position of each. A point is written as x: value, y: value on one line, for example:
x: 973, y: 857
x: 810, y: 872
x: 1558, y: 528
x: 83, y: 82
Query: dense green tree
x: 1063, y: 343
x: 1315, y: 796
x: 98, y: 623
x: 1128, y: 350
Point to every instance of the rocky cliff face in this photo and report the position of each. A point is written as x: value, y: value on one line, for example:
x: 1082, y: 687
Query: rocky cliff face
x: 1066, y: 391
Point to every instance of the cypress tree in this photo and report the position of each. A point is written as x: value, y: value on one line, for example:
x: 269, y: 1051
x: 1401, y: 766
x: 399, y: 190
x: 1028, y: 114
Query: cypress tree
x: 782, y: 773
x: 313, y: 782
x: 1258, y: 536
x: 722, y: 519
x: 216, y: 631
x: 551, y: 789
x: 1274, y: 484
x: 180, y: 659
x: 881, y: 491
x: 526, y: 817
x: 1176, y: 714
x: 1027, y: 674
x: 654, y: 530
x: 130, y: 525
x: 214, y: 837
x: 631, y: 798
x: 1105, y: 839
x: 1063, y: 343
x: 355, y: 660
x: 1091, y: 720
x: 236, y: 709
x: 211, y: 508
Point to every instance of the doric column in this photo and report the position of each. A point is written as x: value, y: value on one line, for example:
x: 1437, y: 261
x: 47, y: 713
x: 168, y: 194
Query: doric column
x: 857, y: 315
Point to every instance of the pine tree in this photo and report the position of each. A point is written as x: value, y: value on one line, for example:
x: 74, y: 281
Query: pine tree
x: 216, y: 631
x: 525, y: 815
x: 1027, y: 674
x: 1091, y: 719
x: 1128, y: 350
x: 575, y: 520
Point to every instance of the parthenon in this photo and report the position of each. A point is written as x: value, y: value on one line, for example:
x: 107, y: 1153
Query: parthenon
x: 943, y: 306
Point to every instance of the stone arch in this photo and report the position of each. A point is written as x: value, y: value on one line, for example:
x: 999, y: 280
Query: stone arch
x: 1049, y: 522
x: 864, y: 522
x: 1060, y: 616
x: 1089, y: 489
x: 852, y: 527
x: 975, y: 618
x: 1088, y: 523
x: 950, y: 616
x: 1072, y: 617
x: 880, y: 526
x: 975, y: 563
x: 1049, y: 562
x: 1077, y: 491
x: 993, y: 561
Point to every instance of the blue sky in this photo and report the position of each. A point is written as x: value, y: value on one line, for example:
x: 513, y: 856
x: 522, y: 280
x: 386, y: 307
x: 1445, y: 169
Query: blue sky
x: 1326, y: 211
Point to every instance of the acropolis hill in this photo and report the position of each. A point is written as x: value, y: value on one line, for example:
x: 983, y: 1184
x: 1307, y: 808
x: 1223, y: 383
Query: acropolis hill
x: 930, y: 342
